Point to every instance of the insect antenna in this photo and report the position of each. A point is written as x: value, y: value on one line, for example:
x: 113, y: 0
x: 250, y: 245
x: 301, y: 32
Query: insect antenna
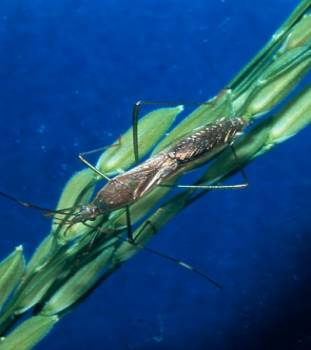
x: 45, y: 211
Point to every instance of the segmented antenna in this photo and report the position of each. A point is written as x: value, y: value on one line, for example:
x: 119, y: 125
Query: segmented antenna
x: 45, y: 211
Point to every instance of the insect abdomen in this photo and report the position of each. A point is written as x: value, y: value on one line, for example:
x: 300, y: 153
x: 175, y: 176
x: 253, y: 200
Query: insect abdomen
x: 206, y: 139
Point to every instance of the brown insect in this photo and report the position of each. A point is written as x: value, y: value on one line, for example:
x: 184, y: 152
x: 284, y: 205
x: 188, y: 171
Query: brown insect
x: 189, y: 151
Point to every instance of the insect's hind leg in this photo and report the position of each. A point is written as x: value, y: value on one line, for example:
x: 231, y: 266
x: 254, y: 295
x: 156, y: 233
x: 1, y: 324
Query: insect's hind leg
x: 219, y: 187
x: 168, y: 257
x: 236, y: 186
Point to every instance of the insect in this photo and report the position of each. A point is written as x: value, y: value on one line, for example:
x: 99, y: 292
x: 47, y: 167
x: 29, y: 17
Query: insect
x: 189, y: 151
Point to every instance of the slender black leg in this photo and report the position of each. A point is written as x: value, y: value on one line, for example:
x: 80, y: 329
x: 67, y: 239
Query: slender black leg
x: 168, y: 257
x: 135, y: 113
x: 142, y: 229
x: 129, y: 224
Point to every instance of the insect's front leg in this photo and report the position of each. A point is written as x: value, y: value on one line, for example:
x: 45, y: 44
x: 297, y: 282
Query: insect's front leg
x: 82, y: 157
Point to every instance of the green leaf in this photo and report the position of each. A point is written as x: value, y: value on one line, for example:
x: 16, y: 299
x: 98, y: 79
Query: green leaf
x: 42, y: 253
x: 215, y: 108
x: 37, y: 285
x: 294, y: 117
x: 29, y: 333
x: 78, y: 284
x: 11, y: 272
x: 299, y: 35
x: 277, y: 81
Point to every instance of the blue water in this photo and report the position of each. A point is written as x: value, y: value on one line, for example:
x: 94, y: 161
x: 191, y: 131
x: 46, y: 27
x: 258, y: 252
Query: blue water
x: 70, y: 72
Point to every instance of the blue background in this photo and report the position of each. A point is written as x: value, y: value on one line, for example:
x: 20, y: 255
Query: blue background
x: 70, y: 72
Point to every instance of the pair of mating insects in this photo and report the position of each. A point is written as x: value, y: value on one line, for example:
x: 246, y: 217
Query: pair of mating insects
x: 189, y: 151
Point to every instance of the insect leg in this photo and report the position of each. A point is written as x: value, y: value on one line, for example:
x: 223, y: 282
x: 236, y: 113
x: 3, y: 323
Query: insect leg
x: 129, y: 224
x: 225, y: 93
x: 135, y: 113
x: 134, y: 241
x: 168, y: 257
x: 83, y: 159
x: 209, y: 187
x: 212, y: 187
